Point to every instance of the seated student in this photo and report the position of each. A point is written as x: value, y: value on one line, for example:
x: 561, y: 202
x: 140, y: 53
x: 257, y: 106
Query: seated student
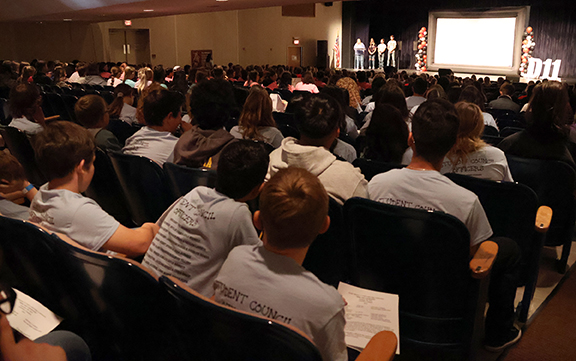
x: 211, y: 105
x: 319, y: 118
x: 91, y: 113
x: 420, y: 185
x: 470, y: 155
x: 200, y: 229
x: 121, y: 107
x: 505, y: 101
x: 14, y: 188
x: 270, y: 278
x: 161, y: 112
x: 65, y: 154
x: 25, y: 107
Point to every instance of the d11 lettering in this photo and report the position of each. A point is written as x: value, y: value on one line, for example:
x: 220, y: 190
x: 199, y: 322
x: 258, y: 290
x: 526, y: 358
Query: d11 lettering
x: 535, y: 66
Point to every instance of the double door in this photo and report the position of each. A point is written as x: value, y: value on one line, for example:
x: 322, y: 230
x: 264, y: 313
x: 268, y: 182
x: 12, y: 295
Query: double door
x: 130, y: 46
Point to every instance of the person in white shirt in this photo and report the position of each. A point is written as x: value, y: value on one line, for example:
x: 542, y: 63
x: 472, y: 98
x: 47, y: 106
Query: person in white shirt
x: 470, y: 155
x: 471, y: 94
x: 391, y: 51
x: 420, y: 185
x: 381, y: 54
x: 162, y: 115
x: 359, y: 49
x: 25, y: 106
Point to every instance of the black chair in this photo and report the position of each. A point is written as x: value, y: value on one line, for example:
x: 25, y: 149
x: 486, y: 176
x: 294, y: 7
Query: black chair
x: 240, y: 95
x: 289, y: 131
x: 212, y: 332
x: 122, y: 130
x: 69, y: 103
x: 123, y: 304
x: 58, y: 106
x: 329, y: 255
x: 492, y: 140
x: 19, y: 146
x: 5, y: 117
x: 424, y: 257
x: 284, y: 93
x: 553, y: 181
x: 504, y: 118
x: 108, y: 96
x: 284, y: 118
x: 182, y: 180
x: 511, y: 209
x: 143, y: 183
x: 509, y: 131
x: 105, y: 189
x: 370, y: 167
x: 489, y: 130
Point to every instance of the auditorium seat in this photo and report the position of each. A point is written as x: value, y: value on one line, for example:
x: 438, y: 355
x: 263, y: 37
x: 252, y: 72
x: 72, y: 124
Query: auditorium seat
x: 182, y: 180
x: 284, y: 118
x: 212, y: 332
x: 424, y: 257
x: 20, y: 147
x: 509, y: 131
x: 553, y: 181
x: 144, y: 185
x: 370, y: 168
x: 512, y: 210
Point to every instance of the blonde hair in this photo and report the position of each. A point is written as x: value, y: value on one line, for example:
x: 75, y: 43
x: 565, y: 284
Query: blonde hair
x: 293, y: 208
x: 129, y: 73
x: 144, y: 75
x: 469, y: 133
x: 257, y: 112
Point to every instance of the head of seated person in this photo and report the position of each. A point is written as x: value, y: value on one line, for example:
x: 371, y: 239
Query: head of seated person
x: 211, y: 104
x: 242, y: 167
x: 65, y: 153
x: 392, y: 94
x: 91, y: 111
x: 548, y: 114
x: 434, y: 131
x: 293, y: 211
x: 161, y: 109
x: 319, y: 118
x: 387, y: 135
x: 507, y: 89
x: 24, y: 101
x: 12, y: 175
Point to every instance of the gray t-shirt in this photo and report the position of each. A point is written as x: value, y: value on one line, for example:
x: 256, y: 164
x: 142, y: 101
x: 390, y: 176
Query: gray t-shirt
x: 153, y: 144
x: 196, y: 234
x: 74, y: 215
x: 128, y: 114
x: 12, y: 210
x: 258, y: 281
x: 430, y: 190
x: 271, y: 135
x: 26, y: 126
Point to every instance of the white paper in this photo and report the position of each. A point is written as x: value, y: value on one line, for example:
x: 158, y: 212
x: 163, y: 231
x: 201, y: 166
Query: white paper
x: 367, y: 313
x: 31, y: 318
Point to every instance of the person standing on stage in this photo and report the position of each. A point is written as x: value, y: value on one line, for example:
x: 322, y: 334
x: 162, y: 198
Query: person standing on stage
x: 381, y: 51
x: 372, y: 55
x: 359, y: 49
x: 391, y: 51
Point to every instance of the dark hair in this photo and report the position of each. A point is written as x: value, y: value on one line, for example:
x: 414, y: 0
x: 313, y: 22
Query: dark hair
x: 318, y: 116
x: 307, y: 78
x: 419, y: 86
x: 61, y: 146
x: 10, y: 168
x: 122, y: 90
x: 393, y: 95
x: 159, y: 103
x: 471, y: 94
x: 387, y: 135
x: 507, y: 89
x: 548, y: 111
x: 90, y: 110
x: 242, y: 166
x: 211, y: 103
x: 435, y: 129
x: 285, y: 80
x: 23, y: 99
x: 159, y: 74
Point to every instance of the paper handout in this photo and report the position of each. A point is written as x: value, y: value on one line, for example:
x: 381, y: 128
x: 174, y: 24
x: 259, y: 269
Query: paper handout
x: 367, y: 313
x: 31, y: 318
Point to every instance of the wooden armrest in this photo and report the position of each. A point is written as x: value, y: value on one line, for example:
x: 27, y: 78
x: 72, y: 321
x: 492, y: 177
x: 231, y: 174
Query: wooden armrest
x: 543, y: 219
x: 382, y: 347
x: 52, y: 118
x: 481, y: 263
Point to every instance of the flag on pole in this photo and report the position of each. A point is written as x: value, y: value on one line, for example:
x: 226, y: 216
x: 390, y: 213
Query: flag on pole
x: 337, y: 51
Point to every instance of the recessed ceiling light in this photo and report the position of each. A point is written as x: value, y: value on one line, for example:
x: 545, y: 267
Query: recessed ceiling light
x: 221, y: 0
x: 148, y: 10
x: 67, y: 19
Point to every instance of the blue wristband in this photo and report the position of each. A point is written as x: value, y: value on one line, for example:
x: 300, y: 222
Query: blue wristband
x: 28, y: 188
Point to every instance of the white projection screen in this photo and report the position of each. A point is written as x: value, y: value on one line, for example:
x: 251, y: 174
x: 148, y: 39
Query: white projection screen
x: 487, y: 42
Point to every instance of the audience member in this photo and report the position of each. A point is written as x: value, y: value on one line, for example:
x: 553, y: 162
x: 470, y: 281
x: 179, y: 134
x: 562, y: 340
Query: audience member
x: 122, y: 105
x: 353, y: 92
x: 200, y: 229
x: 25, y: 107
x: 470, y: 155
x: 65, y: 154
x: 505, y: 101
x: 293, y: 211
x: 91, y: 112
x: 161, y: 111
x: 14, y: 188
x: 319, y: 118
x: 307, y: 83
x: 471, y: 94
x: 256, y: 121
x: 421, y: 185
x: 211, y: 105
x: 387, y: 136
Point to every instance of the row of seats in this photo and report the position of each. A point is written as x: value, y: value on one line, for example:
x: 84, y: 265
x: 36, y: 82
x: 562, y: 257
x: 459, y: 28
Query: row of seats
x: 124, y: 312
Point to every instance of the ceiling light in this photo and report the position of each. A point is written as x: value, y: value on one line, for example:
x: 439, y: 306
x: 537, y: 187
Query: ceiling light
x: 148, y: 10
x: 67, y: 19
x: 221, y: 0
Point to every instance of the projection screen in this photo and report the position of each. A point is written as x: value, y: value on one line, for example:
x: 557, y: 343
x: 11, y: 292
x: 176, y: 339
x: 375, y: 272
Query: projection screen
x: 486, y: 42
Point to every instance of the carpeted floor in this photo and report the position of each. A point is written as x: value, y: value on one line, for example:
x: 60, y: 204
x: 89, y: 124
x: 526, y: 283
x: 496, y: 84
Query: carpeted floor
x: 551, y: 336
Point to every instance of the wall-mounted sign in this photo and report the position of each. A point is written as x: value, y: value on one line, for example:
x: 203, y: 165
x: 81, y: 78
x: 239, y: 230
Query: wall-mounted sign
x: 128, y: 22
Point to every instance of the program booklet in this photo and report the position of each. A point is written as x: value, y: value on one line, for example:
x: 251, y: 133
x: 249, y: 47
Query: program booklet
x: 367, y: 313
x: 31, y: 318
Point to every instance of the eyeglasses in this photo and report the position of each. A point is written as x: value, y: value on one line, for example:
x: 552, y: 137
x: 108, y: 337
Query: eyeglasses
x: 7, y: 299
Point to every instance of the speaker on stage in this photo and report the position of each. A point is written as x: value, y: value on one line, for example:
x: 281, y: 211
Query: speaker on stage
x: 445, y: 72
x: 322, y: 54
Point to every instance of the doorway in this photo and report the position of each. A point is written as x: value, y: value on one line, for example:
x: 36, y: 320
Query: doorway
x: 131, y: 46
x: 294, y: 56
